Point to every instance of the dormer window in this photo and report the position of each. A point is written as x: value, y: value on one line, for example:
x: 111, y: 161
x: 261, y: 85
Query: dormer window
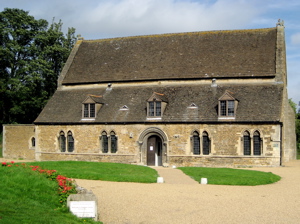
x: 90, y: 107
x: 89, y: 110
x: 227, y: 106
x: 156, y: 105
x: 154, y: 109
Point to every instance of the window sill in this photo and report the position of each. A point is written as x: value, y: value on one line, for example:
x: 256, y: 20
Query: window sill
x: 226, y: 118
x: 153, y: 118
x: 88, y: 119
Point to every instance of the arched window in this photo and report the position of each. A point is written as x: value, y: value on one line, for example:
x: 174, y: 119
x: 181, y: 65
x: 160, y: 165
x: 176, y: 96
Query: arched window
x: 104, y: 140
x: 196, y: 143
x: 70, y: 142
x: 256, y: 143
x: 113, y: 142
x: 62, y: 141
x: 247, y: 143
x: 33, y: 142
x: 206, y: 143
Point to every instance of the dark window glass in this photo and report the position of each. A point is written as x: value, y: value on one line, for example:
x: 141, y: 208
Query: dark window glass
x: 206, y: 143
x: 227, y: 108
x: 158, y: 109
x: 33, y: 142
x: 114, y: 143
x: 151, y: 108
x: 89, y: 110
x: 247, y: 143
x: 196, y: 143
x: 92, y: 110
x: 256, y: 144
x: 223, y: 108
x: 86, y: 110
x: 230, y: 108
x: 104, y: 143
x: 70, y: 142
x: 62, y: 141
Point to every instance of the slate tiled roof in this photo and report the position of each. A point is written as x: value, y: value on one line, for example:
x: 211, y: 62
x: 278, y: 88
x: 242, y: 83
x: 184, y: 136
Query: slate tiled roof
x: 256, y: 103
x: 219, y: 54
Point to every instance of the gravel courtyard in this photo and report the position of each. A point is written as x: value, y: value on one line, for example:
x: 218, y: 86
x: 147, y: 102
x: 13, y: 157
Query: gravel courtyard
x: 186, y: 202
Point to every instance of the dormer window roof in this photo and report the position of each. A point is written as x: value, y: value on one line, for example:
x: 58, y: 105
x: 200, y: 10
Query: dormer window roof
x: 124, y: 108
x: 90, y: 107
x: 227, y: 106
x: 192, y: 106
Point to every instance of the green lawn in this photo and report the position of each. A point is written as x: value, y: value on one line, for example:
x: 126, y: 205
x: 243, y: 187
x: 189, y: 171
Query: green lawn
x: 28, y: 197
x: 101, y: 171
x: 227, y: 176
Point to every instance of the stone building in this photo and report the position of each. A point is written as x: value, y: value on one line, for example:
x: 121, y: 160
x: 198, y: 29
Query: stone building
x: 216, y: 98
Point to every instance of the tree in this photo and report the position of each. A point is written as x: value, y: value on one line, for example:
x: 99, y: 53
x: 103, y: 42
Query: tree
x: 297, y: 122
x: 32, y: 55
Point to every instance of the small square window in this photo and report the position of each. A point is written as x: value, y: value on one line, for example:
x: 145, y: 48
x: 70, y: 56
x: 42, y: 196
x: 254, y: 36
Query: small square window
x: 89, y: 110
x: 227, y: 106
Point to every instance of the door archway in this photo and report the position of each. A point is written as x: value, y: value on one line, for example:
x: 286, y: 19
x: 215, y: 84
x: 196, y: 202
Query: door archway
x: 153, y: 147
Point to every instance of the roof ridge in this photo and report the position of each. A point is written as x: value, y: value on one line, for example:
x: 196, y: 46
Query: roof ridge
x: 178, y: 34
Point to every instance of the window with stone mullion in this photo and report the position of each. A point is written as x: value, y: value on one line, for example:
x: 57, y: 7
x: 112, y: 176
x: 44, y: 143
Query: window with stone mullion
x: 206, y: 144
x: 247, y: 144
x: 113, y: 139
x: 104, y: 143
x: 196, y: 143
x: 62, y: 142
x: 256, y: 144
x: 70, y: 142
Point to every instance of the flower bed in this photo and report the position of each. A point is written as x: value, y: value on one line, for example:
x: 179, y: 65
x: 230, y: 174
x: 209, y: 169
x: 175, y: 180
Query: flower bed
x: 66, y: 186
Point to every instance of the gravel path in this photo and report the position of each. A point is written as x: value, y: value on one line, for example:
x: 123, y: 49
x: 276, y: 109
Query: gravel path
x: 195, y: 203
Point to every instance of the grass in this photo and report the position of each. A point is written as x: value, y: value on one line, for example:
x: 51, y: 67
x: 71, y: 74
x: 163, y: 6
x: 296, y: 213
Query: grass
x: 101, y: 171
x: 227, y: 176
x: 29, y: 197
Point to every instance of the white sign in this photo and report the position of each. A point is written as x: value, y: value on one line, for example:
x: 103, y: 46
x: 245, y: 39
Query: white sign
x: 151, y: 148
x: 83, y: 209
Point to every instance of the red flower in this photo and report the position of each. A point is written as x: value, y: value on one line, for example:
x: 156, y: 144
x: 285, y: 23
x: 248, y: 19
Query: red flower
x: 12, y: 162
x: 4, y: 163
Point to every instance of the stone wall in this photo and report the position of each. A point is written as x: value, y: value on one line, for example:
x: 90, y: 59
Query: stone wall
x: 226, y: 144
x: 17, y: 141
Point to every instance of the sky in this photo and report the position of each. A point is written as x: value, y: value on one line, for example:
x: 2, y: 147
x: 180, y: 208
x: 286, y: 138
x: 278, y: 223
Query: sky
x: 97, y: 19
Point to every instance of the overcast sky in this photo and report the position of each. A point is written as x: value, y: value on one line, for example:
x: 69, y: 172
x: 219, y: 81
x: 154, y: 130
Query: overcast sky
x: 96, y: 19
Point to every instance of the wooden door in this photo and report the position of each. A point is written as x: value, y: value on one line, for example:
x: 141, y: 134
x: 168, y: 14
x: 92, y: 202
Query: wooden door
x: 151, y: 148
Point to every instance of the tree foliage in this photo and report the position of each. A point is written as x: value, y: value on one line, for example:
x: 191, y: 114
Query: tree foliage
x: 297, y: 121
x: 32, y: 55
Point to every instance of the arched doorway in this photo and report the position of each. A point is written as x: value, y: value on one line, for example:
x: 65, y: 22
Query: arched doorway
x: 153, y: 144
x: 154, y: 151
